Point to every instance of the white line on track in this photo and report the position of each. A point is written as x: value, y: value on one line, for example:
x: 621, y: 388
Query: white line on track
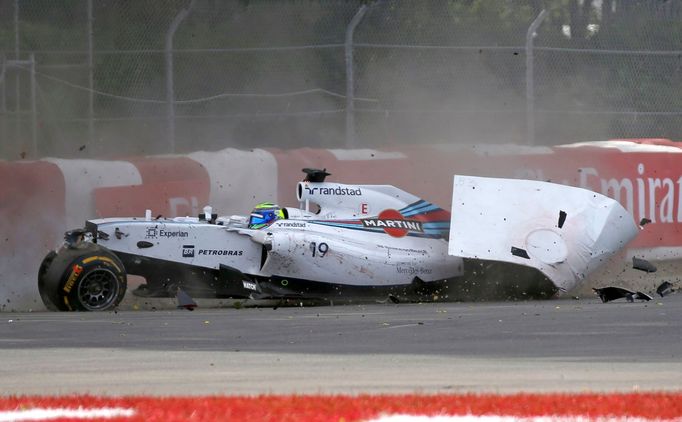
x: 41, y: 414
x: 494, y: 418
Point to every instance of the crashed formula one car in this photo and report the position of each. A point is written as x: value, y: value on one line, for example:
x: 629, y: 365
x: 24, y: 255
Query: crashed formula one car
x: 343, y: 241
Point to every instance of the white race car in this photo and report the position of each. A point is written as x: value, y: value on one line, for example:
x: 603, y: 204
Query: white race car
x: 342, y: 243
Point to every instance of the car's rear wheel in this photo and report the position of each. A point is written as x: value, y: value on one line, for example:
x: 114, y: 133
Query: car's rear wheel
x: 85, y: 278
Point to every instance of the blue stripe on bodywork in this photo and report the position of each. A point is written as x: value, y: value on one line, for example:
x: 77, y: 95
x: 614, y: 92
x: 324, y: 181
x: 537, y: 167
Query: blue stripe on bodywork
x: 432, y: 229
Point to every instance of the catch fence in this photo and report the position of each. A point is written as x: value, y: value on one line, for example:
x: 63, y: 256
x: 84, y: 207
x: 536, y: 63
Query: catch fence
x: 111, y: 77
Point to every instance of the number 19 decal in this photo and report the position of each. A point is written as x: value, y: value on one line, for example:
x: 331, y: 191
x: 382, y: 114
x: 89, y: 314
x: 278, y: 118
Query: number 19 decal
x: 319, y: 250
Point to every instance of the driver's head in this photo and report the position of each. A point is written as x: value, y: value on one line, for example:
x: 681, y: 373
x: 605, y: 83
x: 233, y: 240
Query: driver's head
x: 264, y: 214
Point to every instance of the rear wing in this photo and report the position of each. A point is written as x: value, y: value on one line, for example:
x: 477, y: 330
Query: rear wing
x: 563, y: 231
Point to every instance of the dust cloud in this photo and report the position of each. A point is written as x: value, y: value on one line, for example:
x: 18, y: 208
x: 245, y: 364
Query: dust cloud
x: 20, y: 262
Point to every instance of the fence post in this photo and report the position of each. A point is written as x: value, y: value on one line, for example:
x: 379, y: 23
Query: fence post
x: 350, y: 106
x: 3, y: 106
x: 34, y: 109
x: 3, y: 78
x: 91, y: 84
x: 170, y: 95
x: 530, y: 91
x: 17, y: 99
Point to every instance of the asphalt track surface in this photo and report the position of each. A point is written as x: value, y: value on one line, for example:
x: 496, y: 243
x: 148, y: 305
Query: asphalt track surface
x: 538, y: 346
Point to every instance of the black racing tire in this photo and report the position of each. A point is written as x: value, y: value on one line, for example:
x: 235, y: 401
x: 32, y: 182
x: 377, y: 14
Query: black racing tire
x: 42, y: 271
x: 86, y: 278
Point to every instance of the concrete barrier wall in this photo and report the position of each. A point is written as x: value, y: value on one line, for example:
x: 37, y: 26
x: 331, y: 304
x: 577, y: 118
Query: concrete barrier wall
x: 40, y: 200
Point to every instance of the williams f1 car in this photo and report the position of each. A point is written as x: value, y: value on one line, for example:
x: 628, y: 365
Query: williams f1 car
x: 342, y: 242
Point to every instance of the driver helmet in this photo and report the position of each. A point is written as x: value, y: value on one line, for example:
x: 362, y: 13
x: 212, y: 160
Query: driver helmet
x: 265, y: 214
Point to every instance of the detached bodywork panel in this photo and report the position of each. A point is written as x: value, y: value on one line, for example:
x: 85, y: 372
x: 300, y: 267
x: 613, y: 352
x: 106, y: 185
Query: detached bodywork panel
x: 563, y: 231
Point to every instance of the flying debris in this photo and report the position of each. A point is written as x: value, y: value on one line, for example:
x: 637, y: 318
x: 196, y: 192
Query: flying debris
x: 185, y: 301
x: 644, y: 221
x: 665, y: 288
x: 390, y: 298
x: 643, y: 265
x: 607, y: 294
